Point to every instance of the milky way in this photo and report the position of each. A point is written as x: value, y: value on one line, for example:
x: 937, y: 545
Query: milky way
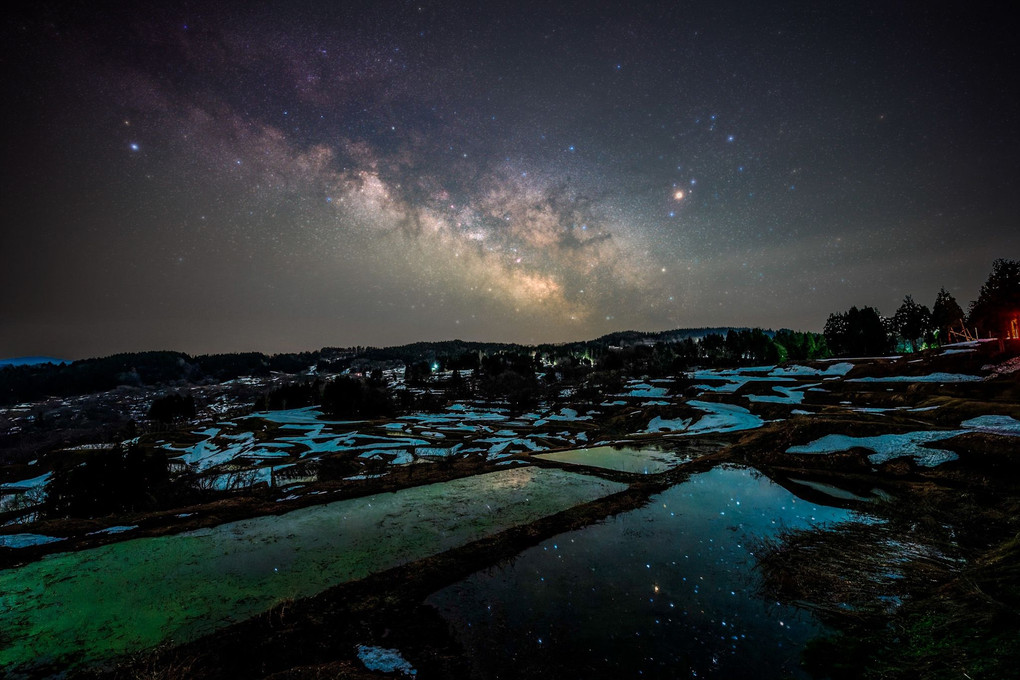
x: 211, y: 177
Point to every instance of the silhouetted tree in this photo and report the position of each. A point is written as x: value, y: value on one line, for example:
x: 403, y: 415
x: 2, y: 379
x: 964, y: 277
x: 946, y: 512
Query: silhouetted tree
x: 611, y: 361
x: 945, y: 314
x: 712, y: 347
x: 912, y: 321
x: 509, y: 375
x: 599, y: 386
x: 171, y: 407
x: 999, y: 299
x: 295, y: 395
x: 457, y: 387
x: 798, y: 345
x: 418, y: 373
x: 346, y: 397
x: 857, y: 332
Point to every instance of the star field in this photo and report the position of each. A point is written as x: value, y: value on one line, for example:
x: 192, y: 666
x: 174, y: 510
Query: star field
x: 213, y: 177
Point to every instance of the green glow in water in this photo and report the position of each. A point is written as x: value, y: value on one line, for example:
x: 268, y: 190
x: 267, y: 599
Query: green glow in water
x: 646, y: 461
x: 74, y: 608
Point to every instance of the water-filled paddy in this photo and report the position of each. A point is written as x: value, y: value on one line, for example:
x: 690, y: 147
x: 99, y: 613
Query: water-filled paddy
x: 667, y: 590
x: 643, y: 460
x: 78, y: 607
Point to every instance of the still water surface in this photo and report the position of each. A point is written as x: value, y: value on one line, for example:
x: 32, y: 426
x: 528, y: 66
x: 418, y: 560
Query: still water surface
x: 642, y: 460
x: 665, y: 591
x: 81, y: 607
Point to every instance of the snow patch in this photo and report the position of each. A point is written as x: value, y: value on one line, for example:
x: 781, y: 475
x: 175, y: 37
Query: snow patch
x: 114, y: 530
x: 734, y: 380
x: 841, y: 368
x: 310, y: 415
x: 719, y: 418
x: 641, y: 389
x: 566, y: 414
x: 930, y: 378
x: 435, y: 451
x: 887, y: 446
x: 384, y: 660
x: 658, y: 423
x: 27, y: 484
x: 790, y: 395
x: 25, y: 540
x: 995, y: 424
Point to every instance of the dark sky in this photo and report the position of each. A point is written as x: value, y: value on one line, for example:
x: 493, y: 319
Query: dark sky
x: 211, y: 177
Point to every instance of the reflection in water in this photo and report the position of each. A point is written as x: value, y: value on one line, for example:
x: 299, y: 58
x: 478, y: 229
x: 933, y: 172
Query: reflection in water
x: 645, y: 460
x: 668, y: 590
x: 89, y: 605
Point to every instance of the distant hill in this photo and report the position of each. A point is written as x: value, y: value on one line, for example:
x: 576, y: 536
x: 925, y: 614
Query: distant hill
x: 30, y: 378
x: 31, y: 381
x: 31, y: 361
x: 418, y: 351
x: 626, y: 338
x: 426, y: 350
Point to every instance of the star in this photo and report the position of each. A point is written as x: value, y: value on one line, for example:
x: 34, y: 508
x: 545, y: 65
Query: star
x: 411, y: 158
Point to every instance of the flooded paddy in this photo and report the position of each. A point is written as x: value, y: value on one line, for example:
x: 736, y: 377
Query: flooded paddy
x: 645, y: 460
x: 668, y: 590
x: 73, y: 608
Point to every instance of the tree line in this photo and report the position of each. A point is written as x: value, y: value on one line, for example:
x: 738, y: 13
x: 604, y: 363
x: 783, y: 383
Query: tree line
x: 87, y: 376
x: 865, y: 332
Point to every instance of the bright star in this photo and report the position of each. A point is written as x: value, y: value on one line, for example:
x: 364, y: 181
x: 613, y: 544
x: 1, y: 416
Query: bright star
x: 679, y: 195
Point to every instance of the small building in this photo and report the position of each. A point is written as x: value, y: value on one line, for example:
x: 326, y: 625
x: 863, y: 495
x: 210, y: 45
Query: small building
x: 1007, y: 325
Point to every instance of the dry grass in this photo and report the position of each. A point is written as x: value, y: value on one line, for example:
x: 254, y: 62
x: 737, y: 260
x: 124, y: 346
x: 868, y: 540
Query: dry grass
x: 853, y: 571
x: 904, y: 602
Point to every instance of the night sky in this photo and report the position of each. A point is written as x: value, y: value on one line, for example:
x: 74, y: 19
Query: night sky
x: 210, y: 177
